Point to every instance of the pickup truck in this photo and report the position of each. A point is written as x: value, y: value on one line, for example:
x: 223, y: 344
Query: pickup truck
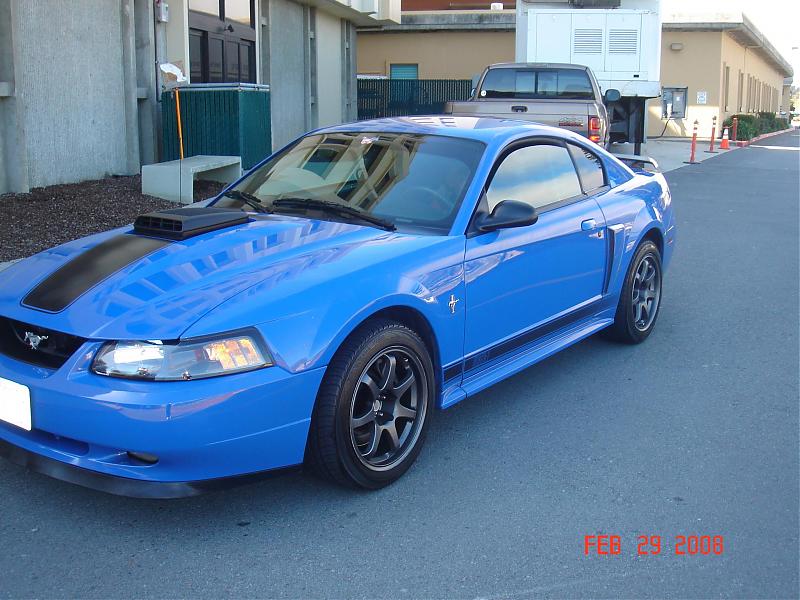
x: 562, y: 95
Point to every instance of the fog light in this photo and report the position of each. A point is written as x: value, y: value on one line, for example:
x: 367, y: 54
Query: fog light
x: 144, y: 457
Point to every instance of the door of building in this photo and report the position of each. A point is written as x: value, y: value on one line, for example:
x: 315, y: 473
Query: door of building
x: 222, y: 41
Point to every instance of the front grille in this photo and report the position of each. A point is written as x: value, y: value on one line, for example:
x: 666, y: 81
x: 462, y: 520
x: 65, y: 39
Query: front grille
x: 52, y: 348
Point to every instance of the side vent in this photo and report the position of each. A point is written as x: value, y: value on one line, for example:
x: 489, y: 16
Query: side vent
x: 182, y: 223
x: 587, y: 41
x: 623, y: 41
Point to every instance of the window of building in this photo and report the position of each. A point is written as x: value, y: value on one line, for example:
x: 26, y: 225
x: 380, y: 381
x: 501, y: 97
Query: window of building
x: 222, y: 41
x: 726, y: 88
x: 539, y: 175
x: 404, y: 71
x: 740, y: 92
x: 590, y: 168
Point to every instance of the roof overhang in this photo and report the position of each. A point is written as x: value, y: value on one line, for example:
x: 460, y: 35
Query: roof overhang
x: 738, y: 26
x: 453, y: 20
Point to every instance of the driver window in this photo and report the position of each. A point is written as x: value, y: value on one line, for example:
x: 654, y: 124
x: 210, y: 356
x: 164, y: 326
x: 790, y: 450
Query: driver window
x: 539, y: 175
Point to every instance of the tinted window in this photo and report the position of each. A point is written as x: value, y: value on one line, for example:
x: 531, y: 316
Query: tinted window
x: 537, y: 83
x: 590, y: 168
x: 417, y: 182
x: 539, y: 175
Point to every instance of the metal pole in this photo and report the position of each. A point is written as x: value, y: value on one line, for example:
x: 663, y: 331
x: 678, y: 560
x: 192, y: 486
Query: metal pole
x: 178, y: 114
x: 735, y: 127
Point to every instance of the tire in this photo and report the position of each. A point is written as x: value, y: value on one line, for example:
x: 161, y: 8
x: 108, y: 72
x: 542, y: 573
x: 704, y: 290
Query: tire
x: 373, y: 407
x: 640, y: 299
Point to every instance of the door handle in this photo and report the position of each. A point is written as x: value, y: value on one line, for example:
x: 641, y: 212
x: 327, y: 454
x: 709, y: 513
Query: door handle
x: 588, y: 225
x: 519, y: 108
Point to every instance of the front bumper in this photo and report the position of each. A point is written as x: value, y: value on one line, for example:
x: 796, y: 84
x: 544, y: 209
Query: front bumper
x: 203, y: 431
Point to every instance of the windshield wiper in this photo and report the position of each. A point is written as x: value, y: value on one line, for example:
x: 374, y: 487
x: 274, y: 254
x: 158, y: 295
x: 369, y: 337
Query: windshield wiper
x: 247, y: 198
x: 342, y: 209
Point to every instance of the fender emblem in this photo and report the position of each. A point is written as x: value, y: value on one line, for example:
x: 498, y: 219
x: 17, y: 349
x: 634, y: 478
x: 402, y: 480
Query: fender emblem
x: 452, y: 303
x: 33, y: 340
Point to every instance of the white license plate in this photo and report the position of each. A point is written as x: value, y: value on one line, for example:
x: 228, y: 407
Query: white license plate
x: 15, y: 404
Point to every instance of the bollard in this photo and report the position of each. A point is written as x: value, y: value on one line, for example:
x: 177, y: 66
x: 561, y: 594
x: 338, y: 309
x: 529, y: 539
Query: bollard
x: 725, y: 145
x: 713, y: 135
x: 691, y: 160
x: 735, y: 128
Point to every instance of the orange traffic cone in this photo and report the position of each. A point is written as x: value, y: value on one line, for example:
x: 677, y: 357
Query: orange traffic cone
x: 725, y: 145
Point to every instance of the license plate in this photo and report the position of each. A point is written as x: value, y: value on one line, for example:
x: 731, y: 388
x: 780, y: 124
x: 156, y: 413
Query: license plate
x: 15, y: 404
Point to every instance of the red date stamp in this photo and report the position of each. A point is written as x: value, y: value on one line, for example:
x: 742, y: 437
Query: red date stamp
x: 652, y: 545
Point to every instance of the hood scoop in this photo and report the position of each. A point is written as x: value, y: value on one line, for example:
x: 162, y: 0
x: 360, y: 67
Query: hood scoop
x: 183, y: 223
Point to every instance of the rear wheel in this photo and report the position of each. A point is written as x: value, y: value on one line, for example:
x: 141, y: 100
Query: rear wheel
x: 640, y: 298
x: 373, y: 407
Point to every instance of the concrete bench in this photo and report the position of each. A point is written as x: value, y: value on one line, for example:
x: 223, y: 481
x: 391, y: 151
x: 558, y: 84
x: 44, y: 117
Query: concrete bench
x: 174, y: 180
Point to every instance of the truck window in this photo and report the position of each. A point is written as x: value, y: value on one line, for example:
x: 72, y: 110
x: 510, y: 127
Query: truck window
x: 532, y: 84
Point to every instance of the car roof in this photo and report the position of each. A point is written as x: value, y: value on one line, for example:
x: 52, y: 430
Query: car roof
x: 485, y: 129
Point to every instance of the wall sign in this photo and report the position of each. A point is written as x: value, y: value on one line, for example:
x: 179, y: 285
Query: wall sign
x: 702, y: 97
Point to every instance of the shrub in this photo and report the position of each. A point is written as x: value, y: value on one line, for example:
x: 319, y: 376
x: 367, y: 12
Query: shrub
x: 753, y: 125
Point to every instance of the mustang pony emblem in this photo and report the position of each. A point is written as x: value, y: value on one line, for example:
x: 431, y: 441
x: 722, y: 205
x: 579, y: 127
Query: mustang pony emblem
x: 33, y: 340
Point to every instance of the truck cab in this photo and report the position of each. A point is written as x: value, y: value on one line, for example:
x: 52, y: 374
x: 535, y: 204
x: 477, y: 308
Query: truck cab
x: 561, y: 95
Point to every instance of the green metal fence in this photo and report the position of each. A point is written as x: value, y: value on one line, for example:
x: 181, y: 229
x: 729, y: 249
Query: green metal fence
x: 404, y: 97
x: 218, y: 119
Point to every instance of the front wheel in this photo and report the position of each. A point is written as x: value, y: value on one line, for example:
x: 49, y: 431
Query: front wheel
x: 373, y: 406
x: 640, y: 298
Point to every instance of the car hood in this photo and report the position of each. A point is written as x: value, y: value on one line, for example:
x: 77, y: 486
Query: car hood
x: 163, y: 291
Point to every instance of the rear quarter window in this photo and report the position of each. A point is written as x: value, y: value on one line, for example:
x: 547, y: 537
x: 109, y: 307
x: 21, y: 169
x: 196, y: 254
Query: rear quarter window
x: 589, y: 167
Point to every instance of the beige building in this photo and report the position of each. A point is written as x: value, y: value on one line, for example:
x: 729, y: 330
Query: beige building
x: 713, y: 65
x: 452, y: 44
x: 718, y: 65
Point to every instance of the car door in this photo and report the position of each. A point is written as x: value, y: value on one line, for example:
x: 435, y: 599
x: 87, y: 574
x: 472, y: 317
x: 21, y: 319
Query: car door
x: 525, y: 282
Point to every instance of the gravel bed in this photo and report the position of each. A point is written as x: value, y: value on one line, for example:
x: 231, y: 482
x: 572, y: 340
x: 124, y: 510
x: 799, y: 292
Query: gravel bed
x: 46, y: 217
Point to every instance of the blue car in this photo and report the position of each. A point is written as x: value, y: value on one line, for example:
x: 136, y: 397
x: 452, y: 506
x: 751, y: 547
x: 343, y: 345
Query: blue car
x: 323, y: 307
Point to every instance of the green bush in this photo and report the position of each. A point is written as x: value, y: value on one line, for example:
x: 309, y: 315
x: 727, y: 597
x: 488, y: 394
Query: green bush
x: 751, y: 126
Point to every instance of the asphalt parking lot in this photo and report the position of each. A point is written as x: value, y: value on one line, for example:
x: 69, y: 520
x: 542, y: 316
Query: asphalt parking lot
x: 694, y: 432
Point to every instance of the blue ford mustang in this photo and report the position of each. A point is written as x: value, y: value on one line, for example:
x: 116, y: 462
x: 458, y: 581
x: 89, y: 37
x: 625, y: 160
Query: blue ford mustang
x: 325, y: 305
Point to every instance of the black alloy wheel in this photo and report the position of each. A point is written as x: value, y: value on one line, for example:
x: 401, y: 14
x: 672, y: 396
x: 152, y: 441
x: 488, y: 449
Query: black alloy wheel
x: 640, y: 299
x: 373, y: 407
x: 384, y: 423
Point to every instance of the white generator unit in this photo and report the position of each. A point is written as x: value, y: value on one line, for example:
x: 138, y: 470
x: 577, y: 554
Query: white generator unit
x: 619, y: 40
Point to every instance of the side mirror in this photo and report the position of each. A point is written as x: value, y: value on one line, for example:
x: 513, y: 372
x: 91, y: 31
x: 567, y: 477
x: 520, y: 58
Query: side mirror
x: 612, y: 95
x: 508, y: 213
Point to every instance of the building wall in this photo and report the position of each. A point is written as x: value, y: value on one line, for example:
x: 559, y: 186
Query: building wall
x: 288, y: 75
x: 700, y: 66
x: 767, y: 83
x: 696, y: 66
x: 72, y: 102
x: 439, y: 54
x: 330, y: 62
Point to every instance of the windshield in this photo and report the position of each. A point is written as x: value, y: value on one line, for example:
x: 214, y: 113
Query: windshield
x: 566, y: 84
x: 413, y: 182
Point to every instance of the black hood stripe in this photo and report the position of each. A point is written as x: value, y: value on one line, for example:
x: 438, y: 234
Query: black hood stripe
x: 73, y: 279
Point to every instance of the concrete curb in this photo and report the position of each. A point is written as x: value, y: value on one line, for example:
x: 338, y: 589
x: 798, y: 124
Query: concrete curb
x: 763, y: 136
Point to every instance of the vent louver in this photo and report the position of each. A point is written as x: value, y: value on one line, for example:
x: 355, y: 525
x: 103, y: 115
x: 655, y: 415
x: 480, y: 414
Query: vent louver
x: 623, y: 41
x: 587, y: 41
x: 182, y: 223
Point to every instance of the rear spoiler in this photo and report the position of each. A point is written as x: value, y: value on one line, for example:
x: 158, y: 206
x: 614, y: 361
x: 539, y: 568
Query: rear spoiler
x: 635, y: 161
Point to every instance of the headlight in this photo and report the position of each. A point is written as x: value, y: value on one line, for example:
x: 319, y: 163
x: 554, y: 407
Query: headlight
x: 181, y: 361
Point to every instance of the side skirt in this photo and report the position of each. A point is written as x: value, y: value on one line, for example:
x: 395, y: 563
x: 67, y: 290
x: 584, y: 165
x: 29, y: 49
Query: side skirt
x: 479, y: 379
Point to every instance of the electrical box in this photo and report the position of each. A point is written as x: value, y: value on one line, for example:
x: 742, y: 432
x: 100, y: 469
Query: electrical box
x: 162, y: 11
x: 673, y: 103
